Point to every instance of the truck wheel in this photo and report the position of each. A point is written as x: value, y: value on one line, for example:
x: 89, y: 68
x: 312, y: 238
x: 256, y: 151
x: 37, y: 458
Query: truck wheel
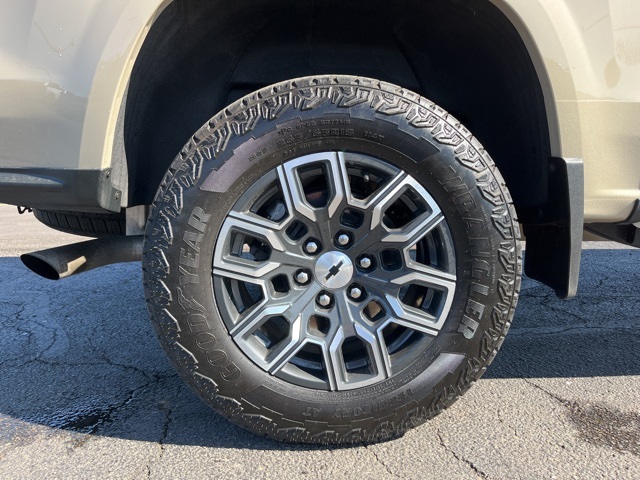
x: 332, y: 260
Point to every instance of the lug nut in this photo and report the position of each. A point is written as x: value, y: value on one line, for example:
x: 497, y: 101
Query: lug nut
x: 365, y: 262
x: 324, y: 300
x: 344, y: 239
x: 311, y: 247
x: 302, y: 277
x: 355, y: 293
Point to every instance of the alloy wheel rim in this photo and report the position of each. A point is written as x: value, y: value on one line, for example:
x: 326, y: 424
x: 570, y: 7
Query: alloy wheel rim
x: 334, y: 271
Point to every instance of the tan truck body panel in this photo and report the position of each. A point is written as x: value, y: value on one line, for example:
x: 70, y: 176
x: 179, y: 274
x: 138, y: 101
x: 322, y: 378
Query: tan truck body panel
x: 65, y: 66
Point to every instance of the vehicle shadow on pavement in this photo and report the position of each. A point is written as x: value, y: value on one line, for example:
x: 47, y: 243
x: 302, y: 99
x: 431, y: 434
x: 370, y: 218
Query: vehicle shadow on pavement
x: 80, y: 357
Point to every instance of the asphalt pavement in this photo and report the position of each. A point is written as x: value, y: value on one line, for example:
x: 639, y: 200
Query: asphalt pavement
x: 86, y: 391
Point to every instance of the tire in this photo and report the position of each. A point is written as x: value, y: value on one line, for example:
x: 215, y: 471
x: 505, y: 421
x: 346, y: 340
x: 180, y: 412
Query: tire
x: 97, y: 225
x: 332, y: 260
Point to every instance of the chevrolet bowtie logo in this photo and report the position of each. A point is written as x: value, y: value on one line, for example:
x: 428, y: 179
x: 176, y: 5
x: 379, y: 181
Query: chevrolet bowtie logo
x: 333, y: 271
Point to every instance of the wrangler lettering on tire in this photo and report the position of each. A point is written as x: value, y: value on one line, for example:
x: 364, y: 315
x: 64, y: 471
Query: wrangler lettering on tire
x: 332, y: 260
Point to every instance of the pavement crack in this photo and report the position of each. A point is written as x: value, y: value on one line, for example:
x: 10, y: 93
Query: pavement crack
x: 557, y: 309
x: 546, y: 331
x: 9, y: 363
x: 90, y: 417
x: 381, y: 462
x: 52, y: 342
x: 479, y: 473
x: 557, y: 398
x: 166, y: 408
x: 125, y: 366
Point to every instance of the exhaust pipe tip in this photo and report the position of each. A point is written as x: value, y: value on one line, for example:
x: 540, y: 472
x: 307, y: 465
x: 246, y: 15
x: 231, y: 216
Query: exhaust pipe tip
x: 61, y: 262
x: 39, y: 266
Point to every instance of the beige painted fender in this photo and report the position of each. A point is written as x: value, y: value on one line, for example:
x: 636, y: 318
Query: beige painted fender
x: 112, y: 77
x: 64, y: 65
x: 589, y: 50
x: 79, y: 58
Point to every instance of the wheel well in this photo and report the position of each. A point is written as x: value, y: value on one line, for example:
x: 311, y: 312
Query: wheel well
x: 464, y: 55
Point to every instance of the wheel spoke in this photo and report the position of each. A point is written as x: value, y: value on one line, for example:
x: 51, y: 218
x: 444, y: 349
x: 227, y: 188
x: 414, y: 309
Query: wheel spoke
x: 287, y: 307
x: 345, y: 380
x: 289, y: 176
x: 385, y: 198
x: 339, y: 183
x: 417, y: 318
x: 348, y: 314
x: 378, y: 197
x: 236, y: 264
x: 242, y: 270
x: 412, y: 318
x: 249, y: 220
x: 330, y: 363
x: 351, y: 326
x: 416, y: 230
x: 335, y: 360
x: 428, y: 276
x: 376, y: 348
x: 255, y: 317
x: 247, y: 225
x: 288, y: 348
x: 293, y: 193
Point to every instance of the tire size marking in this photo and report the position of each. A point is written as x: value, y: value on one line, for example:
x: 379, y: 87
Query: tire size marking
x: 374, y: 136
x: 290, y: 139
x: 335, y: 121
x: 352, y: 412
x: 258, y: 154
x: 333, y: 132
x: 312, y: 412
x: 293, y: 138
x: 295, y: 151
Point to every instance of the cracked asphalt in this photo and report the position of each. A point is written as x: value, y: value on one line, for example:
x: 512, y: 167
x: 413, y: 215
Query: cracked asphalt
x: 86, y: 392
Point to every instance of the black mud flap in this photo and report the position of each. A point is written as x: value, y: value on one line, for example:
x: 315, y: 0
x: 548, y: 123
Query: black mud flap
x: 554, y: 245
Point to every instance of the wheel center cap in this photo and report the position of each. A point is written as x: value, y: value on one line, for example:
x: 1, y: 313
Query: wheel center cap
x: 334, y: 270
